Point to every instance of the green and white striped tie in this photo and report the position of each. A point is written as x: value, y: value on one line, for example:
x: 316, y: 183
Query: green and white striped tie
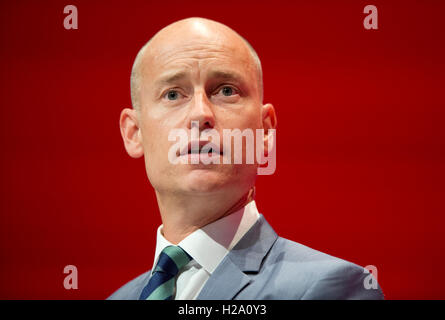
x: 161, y: 285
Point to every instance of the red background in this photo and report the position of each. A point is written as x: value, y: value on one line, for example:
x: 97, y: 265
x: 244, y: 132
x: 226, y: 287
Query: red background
x: 360, y: 156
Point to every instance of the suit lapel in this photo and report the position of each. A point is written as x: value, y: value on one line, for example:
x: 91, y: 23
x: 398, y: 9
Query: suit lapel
x: 229, y: 277
x: 220, y: 286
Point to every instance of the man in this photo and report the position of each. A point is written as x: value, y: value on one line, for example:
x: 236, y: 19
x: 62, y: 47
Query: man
x: 197, y: 74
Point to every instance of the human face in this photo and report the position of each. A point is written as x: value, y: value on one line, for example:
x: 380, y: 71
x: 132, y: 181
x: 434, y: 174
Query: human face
x: 197, y: 74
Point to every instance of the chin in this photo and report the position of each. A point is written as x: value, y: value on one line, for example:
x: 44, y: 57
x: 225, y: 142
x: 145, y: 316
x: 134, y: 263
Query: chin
x: 204, y: 180
x: 232, y: 179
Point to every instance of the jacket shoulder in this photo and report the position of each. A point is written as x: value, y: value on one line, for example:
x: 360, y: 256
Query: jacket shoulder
x: 132, y: 289
x: 317, y: 275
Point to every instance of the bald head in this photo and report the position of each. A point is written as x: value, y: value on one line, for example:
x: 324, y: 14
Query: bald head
x: 185, y: 33
x: 197, y: 74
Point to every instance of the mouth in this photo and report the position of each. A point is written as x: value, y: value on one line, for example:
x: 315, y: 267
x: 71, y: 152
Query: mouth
x: 201, y: 148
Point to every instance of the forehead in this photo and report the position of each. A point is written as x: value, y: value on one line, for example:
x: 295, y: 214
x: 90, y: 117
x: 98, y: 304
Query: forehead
x: 192, y: 51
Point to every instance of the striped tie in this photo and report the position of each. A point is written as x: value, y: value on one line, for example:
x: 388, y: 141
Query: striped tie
x: 161, y: 285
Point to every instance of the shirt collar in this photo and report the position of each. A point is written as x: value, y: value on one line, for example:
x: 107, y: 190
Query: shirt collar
x: 209, y: 245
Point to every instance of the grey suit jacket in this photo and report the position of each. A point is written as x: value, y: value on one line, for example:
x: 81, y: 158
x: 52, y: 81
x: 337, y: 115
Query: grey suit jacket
x: 265, y: 266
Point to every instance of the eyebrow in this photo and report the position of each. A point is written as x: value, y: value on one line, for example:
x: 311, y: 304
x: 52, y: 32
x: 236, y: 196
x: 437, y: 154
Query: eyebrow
x: 171, y: 78
x: 226, y: 75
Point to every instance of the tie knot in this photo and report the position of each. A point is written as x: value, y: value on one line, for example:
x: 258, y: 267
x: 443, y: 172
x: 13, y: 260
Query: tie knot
x: 172, y: 259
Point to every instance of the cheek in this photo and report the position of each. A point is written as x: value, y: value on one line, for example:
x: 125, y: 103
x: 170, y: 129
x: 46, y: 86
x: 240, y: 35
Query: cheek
x: 248, y: 117
x: 251, y: 120
x: 154, y: 139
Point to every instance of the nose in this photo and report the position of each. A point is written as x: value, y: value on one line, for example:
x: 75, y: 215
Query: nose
x: 201, y: 110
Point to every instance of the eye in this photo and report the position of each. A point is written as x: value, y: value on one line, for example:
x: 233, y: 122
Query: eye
x: 172, y: 95
x: 227, y: 91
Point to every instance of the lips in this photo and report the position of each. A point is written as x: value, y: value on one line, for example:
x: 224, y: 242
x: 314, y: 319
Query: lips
x: 196, y: 147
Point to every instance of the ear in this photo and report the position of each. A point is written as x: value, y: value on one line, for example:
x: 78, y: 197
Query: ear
x: 130, y: 132
x: 269, y: 122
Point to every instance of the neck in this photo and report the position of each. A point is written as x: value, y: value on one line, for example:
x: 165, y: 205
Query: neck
x: 183, y: 215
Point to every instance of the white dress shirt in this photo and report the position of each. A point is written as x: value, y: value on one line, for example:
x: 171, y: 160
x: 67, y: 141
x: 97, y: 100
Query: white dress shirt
x: 208, y: 246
